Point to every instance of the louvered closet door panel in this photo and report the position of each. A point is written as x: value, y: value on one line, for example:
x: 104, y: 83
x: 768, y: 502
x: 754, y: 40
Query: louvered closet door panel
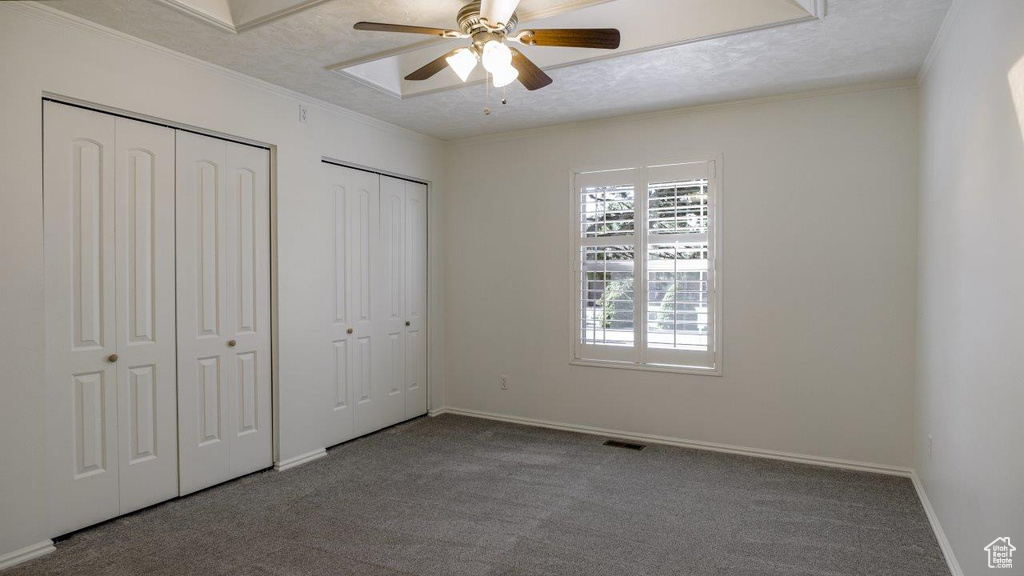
x: 205, y: 360
x: 416, y: 299
x: 390, y: 310
x: 81, y: 386
x: 247, y: 240
x: 363, y: 206
x: 146, y: 367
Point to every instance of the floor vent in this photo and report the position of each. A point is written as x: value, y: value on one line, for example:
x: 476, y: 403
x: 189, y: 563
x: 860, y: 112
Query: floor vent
x: 624, y: 444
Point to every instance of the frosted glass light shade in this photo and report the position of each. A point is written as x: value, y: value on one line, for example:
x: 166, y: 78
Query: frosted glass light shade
x: 497, y: 57
x: 463, y: 62
x: 505, y: 76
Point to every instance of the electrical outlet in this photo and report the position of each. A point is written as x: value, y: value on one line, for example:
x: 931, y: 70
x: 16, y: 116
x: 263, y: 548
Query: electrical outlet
x: 303, y: 114
x: 930, y: 438
x: 504, y: 382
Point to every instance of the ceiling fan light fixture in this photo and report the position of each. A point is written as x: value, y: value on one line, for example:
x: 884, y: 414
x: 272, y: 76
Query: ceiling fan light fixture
x: 504, y: 77
x: 490, y: 23
x: 463, y: 62
x: 497, y: 57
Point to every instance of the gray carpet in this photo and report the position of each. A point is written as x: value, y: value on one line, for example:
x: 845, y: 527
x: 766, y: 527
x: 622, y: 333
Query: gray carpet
x: 460, y: 496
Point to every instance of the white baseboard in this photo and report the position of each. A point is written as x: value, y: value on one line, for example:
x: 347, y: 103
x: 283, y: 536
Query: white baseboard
x: 25, y: 554
x: 940, y: 534
x: 299, y: 460
x: 683, y: 443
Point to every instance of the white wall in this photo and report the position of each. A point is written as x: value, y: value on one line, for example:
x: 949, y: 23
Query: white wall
x: 970, y: 386
x: 820, y: 251
x: 41, y: 52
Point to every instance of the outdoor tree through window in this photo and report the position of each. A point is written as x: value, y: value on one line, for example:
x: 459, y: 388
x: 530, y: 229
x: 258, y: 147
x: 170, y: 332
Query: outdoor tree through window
x: 658, y: 310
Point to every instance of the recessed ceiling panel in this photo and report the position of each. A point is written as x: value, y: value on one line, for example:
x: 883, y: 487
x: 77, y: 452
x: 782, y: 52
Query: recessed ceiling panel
x: 240, y: 15
x: 645, y: 26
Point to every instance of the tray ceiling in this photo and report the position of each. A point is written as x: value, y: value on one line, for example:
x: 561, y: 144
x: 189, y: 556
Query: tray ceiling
x: 858, y: 41
x: 642, y: 25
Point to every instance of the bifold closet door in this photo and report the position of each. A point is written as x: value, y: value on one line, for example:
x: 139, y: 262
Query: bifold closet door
x: 382, y: 403
x: 356, y: 197
x: 378, y: 329
x: 223, y: 287
x: 147, y: 366
x: 415, y: 299
x: 401, y: 308
x: 110, y: 371
x: 78, y: 207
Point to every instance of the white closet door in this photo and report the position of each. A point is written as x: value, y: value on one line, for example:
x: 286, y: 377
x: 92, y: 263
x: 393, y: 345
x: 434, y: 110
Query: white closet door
x: 416, y: 299
x: 146, y: 379
x: 355, y: 195
x: 247, y: 222
x: 378, y: 331
x: 223, y: 282
x: 364, y: 297
x: 389, y: 385
x: 81, y: 385
x: 203, y: 333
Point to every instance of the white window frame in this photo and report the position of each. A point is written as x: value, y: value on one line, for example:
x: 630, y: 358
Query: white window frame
x: 639, y: 356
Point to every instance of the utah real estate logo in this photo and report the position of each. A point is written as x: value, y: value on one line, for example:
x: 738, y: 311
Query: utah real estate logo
x: 1000, y: 553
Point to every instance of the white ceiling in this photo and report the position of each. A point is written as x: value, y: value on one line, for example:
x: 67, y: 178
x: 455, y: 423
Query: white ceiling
x: 640, y: 23
x: 858, y: 41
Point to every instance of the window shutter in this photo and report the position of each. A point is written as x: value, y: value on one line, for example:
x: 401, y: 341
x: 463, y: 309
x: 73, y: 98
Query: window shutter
x: 645, y: 266
x: 606, y: 303
x: 680, y: 315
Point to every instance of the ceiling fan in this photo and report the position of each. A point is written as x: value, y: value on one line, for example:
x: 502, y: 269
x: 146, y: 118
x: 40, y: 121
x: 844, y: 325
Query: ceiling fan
x: 490, y: 24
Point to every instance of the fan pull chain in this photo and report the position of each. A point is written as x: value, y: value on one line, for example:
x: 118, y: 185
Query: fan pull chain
x: 504, y: 95
x: 487, y: 94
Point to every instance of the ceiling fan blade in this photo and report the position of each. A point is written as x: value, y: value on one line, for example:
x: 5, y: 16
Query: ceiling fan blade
x: 432, y: 68
x: 530, y: 75
x: 380, y: 27
x: 498, y: 12
x: 607, y: 38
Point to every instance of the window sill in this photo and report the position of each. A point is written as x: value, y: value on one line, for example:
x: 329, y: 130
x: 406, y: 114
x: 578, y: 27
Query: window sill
x: 648, y: 367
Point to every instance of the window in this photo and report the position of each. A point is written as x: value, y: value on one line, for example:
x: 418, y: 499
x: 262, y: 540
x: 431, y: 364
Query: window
x: 644, y: 274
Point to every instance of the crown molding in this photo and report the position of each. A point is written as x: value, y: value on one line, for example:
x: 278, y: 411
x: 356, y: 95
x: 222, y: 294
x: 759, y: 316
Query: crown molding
x: 952, y: 14
x: 816, y: 8
x: 820, y: 10
x: 199, y: 14
x: 904, y: 84
x: 368, y: 83
x: 50, y: 14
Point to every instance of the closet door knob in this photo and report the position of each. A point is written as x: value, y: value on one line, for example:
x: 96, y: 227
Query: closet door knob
x: 350, y: 330
x: 407, y: 323
x: 112, y: 358
x: 231, y: 343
